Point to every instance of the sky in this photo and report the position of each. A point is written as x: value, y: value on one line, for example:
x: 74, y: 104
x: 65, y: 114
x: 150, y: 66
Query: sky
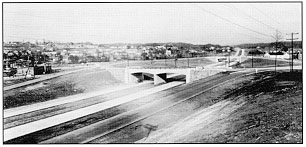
x: 196, y: 23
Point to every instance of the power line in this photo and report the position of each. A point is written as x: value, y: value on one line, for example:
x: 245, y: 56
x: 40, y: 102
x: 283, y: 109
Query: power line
x: 266, y: 15
x: 232, y: 22
x: 252, y: 17
x: 249, y: 36
x: 198, y: 20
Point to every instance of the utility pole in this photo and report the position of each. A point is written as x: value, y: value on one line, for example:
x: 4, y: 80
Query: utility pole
x: 166, y: 56
x: 127, y: 56
x: 291, y: 69
x: 229, y: 58
x: 188, y: 54
x: 277, y: 36
x: 165, y: 60
x: 252, y: 59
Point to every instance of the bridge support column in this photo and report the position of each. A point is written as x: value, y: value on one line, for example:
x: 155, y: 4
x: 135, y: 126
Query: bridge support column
x: 188, y: 76
x: 136, y: 77
x: 160, y: 78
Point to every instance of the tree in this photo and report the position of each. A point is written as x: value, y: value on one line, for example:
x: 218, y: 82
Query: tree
x: 60, y: 58
x: 277, y: 37
x: 58, y: 53
x: 144, y: 55
x: 73, y: 59
x: 255, y: 52
x: 98, y: 52
x: 5, y: 56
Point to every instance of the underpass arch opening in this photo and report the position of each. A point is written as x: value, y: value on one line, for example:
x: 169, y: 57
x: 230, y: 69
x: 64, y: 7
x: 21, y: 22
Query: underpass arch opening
x: 141, y: 76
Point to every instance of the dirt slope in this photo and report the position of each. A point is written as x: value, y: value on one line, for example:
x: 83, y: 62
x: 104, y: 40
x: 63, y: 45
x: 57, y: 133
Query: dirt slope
x: 74, y: 83
x: 90, y: 80
x: 265, y: 111
x: 199, y: 125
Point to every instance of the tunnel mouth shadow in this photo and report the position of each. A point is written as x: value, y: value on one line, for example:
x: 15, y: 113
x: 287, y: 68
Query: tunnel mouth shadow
x: 148, y: 77
x: 181, y: 78
x: 165, y: 77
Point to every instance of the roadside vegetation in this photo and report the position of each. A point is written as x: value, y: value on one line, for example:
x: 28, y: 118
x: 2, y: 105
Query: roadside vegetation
x: 272, y: 112
x: 260, y: 108
x: 52, y: 91
x: 79, y: 82
x: 259, y: 62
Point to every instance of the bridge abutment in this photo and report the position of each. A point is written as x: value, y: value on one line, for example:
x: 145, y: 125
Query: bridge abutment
x: 188, y: 76
x: 160, y: 78
x: 136, y: 77
x: 159, y: 75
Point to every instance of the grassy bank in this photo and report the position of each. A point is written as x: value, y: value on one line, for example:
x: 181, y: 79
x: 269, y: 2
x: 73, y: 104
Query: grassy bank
x: 259, y: 108
x: 49, y: 92
x: 272, y: 113
x: 66, y: 85
x: 259, y: 62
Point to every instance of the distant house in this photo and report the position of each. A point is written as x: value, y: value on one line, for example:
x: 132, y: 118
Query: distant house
x: 168, y: 52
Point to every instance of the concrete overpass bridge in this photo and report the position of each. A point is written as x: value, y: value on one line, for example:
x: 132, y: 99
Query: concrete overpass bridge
x: 159, y: 75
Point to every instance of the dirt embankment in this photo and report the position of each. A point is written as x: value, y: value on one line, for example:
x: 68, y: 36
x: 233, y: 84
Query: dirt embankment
x: 267, y: 109
x: 91, y: 80
x: 80, y: 82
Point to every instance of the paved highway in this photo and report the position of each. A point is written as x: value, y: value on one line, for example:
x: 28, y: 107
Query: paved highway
x: 103, y: 126
x: 101, y: 123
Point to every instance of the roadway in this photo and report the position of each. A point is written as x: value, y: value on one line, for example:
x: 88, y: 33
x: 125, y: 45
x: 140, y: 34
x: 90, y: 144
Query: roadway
x: 102, y: 117
x: 158, y: 102
x: 27, y: 123
x: 71, y: 123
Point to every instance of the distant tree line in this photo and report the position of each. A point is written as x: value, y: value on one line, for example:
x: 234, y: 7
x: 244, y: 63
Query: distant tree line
x: 287, y: 44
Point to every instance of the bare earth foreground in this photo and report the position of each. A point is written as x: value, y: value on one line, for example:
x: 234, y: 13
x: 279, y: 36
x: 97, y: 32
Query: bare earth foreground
x: 256, y: 108
x: 263, y: 111
x: 85, y: 81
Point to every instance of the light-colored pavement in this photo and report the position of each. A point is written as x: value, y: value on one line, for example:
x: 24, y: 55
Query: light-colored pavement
x: 58, y: 119
x: 63, y: 100
x: 101, y: 128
